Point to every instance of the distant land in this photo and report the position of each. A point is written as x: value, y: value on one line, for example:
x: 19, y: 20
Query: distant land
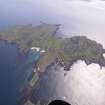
x: 66, y: 50
x: 62, y: 51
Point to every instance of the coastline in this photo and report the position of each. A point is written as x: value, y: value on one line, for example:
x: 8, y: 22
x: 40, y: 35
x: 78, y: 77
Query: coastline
x: 22, y: 54
x: 62, y: 52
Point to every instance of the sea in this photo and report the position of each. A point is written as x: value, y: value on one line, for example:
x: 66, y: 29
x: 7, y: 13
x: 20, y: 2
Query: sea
x: 14, y: 71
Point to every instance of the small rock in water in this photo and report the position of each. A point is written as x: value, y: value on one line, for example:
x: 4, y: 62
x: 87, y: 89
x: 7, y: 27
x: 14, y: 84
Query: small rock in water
x: 65, y: 74
x: 66, y: 68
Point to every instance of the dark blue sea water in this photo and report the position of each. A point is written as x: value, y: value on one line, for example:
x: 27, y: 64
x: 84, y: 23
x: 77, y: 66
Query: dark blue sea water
x: 14, y: 74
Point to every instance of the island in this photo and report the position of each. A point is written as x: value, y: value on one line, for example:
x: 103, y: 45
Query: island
x: 55, y: 49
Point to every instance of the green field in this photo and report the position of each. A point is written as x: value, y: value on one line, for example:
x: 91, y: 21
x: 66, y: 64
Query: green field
x: 44, y: 36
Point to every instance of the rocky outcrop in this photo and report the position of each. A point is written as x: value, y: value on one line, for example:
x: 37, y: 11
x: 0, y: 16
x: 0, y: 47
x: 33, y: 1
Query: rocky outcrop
x: 82, y: 48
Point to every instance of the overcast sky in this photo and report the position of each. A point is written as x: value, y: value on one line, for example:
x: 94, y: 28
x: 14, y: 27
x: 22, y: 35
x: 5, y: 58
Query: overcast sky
x: 77, y: 17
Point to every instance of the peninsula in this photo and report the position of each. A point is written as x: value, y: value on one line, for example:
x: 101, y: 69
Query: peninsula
x: 62, y: 51
x: 66, y: 51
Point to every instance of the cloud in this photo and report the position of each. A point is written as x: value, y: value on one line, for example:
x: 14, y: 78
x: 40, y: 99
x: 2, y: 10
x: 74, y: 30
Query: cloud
x: 87, y: 84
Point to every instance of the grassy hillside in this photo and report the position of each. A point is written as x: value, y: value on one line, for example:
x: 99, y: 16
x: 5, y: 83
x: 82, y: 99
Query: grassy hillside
x: 29, y: 36
x: 67, y: 50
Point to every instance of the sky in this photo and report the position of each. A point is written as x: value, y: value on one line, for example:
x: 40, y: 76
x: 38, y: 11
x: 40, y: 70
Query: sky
x: 77, y: 17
